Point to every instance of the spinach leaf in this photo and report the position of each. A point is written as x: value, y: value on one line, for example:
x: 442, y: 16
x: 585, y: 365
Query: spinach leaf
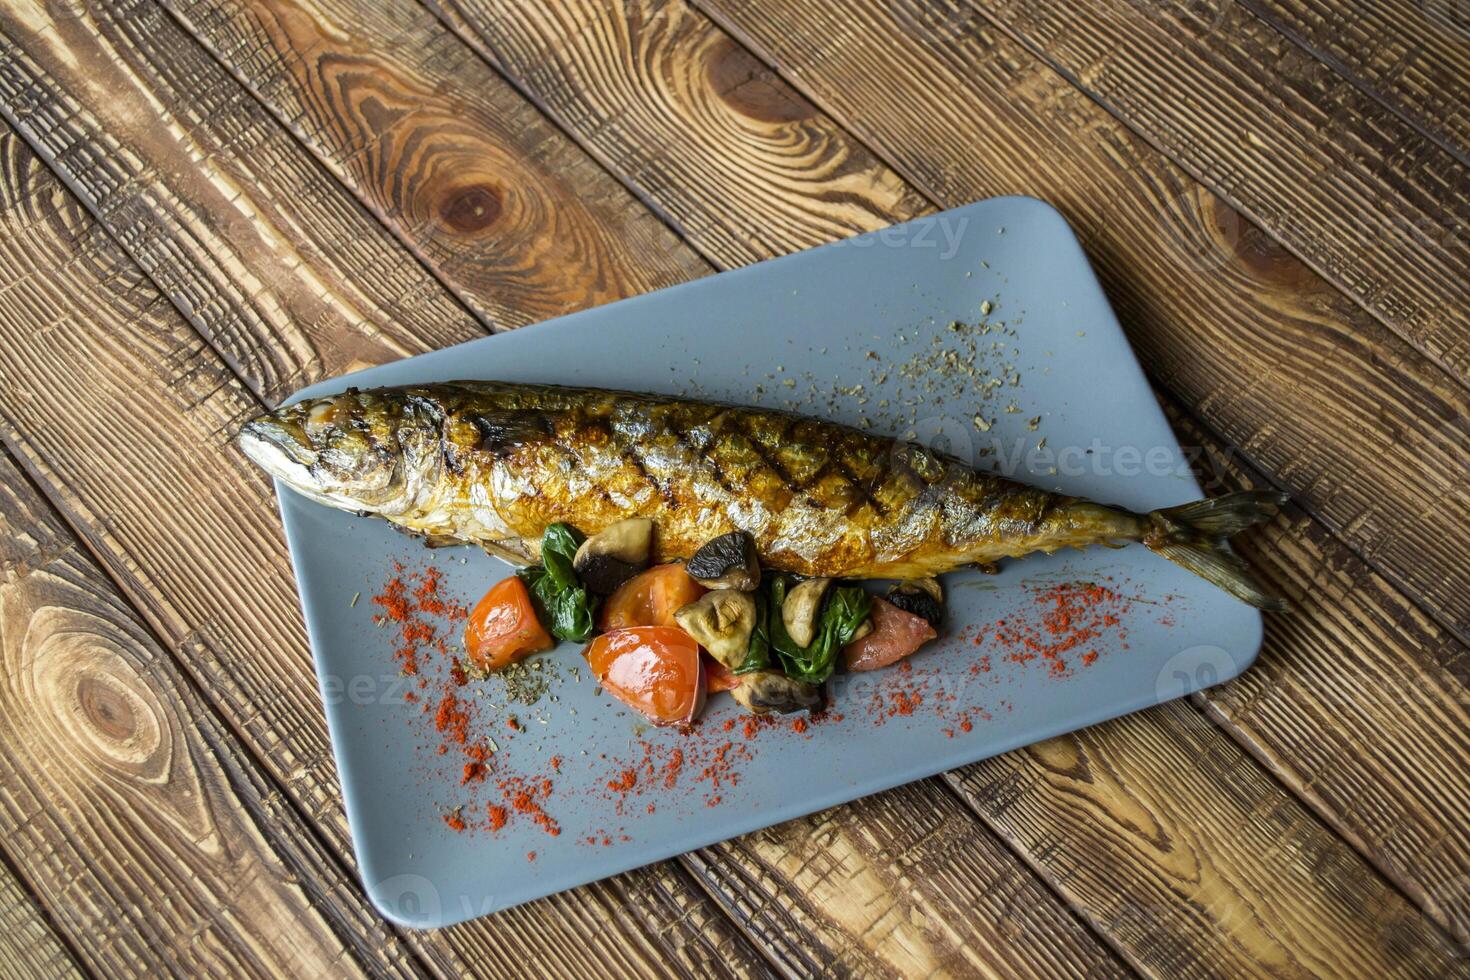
x: 758, y: 657
x: 565, y: 607
x: 843, y: 613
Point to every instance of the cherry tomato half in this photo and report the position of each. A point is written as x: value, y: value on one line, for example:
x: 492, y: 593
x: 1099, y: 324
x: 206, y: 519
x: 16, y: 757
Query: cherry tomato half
x: 650, y: 598
x: 655, y: 670
x: 503, y: 627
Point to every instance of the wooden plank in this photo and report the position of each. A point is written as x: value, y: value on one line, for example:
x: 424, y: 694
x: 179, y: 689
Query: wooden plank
x: 624, y: 78
x: 1304, y: 731
x: 1228, y: 304
x: 496, y: 201
x: 285, y: 273
x: 1082, y: 951
x: 905, y: 883
x: 1194, y: 860
x: 91, y: 349
x: 1413, y: 57
x: 140, y: 821
x: 1377, y: 208
x: 1358, y: 703
x: 29, y: 946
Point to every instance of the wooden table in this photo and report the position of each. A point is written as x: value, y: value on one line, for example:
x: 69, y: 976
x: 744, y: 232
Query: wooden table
x: 206, y: 204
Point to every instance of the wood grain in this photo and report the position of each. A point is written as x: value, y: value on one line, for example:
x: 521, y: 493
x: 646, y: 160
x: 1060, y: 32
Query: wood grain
x: 279, y: 267
x: 136, y: 816
x: 1358, y: 703
x: 1406, y: 825
x: 103, y: 388
x: 518, y: 220
x: 29, y: 946
x: 1376, y: 207
x: 912, y: 875
x: 1413, y: 57
x: 625, y: 78
x: 1228, y: 854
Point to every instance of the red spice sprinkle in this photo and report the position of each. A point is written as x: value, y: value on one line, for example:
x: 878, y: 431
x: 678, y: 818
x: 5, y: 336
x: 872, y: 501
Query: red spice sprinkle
x: 455, y: 820
x: 672, y: 768
x: 525, y: 797
x: 799, y: 726
x: 1073, y: 616
x: 626, y: 780
x: 452, y: 719
x: 530, y: 855
x: 497, y: 815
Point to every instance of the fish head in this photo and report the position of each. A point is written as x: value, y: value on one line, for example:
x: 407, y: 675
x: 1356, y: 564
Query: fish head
x: 374, y: 452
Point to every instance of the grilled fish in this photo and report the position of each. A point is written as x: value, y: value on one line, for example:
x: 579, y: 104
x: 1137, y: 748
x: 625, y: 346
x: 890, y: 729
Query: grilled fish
x: 492, y: 464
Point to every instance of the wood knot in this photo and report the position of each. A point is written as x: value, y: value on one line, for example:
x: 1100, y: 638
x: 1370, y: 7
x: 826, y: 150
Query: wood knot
x: 107, y: 709
x: 746, y: 86
x: 1256, y: 252
x: 471, y: 209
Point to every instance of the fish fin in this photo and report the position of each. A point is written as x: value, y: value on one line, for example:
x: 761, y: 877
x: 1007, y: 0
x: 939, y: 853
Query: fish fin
x: 510, y: 550
x: 1222, y: 517
x: 1192, y: 536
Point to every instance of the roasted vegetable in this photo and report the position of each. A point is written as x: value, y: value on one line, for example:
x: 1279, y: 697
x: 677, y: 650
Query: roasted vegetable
x: 655, y: 670
x: 613, y: 555
x: 758, y: 652
x: 503, y: 627
x: 896, y: 634
x: 764, y: 691
x: 842, y: 615
x: 718, y: 677
x: 923, y: 597
x: 566, y: 607
x: 722, y: 622
x: 727, y: 562
x: 650, y: 598
x: 799, y: 611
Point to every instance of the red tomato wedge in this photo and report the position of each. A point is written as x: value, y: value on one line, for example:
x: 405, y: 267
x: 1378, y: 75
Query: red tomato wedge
x: 503, y: 627
x: 896, y: 634
x: 649, y: 598
x: 655, y: 670
x: 718, y: 677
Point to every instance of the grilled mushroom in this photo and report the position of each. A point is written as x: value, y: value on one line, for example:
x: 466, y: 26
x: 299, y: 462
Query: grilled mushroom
x: 763, y: 691
x: 923, y: 597
x: 613, y: 555
x: 727, y: 562
x: 799, y: 611
x: 721, y: 622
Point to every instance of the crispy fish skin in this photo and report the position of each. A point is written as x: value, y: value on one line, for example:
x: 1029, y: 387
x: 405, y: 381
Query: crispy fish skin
x: 494, y: 463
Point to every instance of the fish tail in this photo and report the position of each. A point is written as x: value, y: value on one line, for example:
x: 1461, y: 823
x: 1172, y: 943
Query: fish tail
x: 1193, y: 537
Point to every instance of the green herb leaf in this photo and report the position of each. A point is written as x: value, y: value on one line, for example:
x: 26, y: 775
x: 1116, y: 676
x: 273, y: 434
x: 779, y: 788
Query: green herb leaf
x: 758, y: 657
x: 842, y: 614
x: 566, y: 609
